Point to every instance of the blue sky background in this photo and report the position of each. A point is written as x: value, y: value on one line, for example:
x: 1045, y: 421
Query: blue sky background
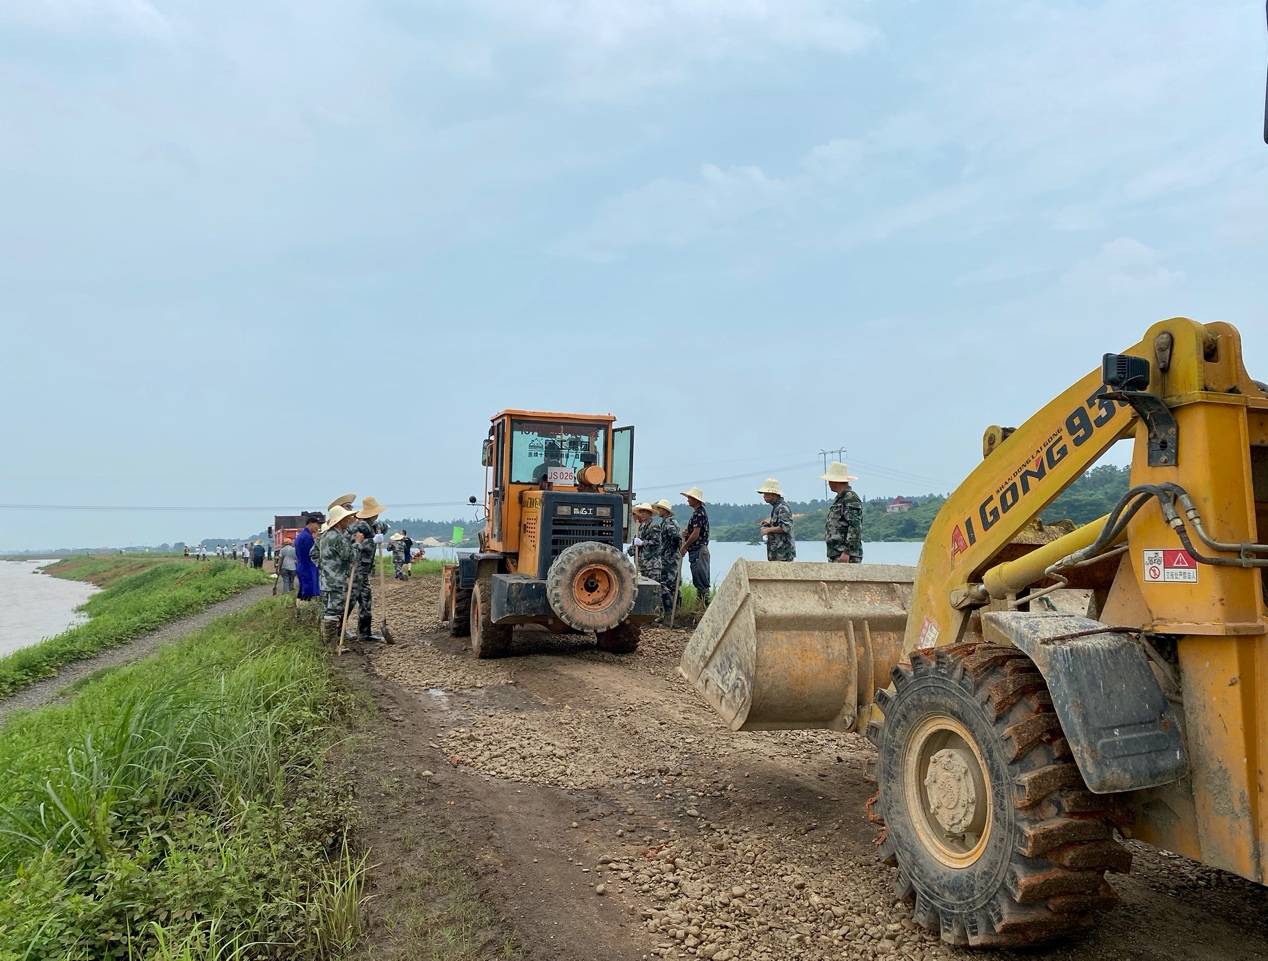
x: 256, y: 254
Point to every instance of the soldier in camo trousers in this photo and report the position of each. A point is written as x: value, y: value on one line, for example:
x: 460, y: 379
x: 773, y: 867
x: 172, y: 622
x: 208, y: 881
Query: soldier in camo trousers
x: 843, y: 531
x: 670, y: 556
x: 647, y: 541
x: 336, y: 568
x: 399, y: 560
x: 365, y: 538
x: 778, y: 528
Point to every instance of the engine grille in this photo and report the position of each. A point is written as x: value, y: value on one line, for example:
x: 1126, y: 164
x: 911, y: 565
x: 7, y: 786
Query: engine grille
x: 566, y: 531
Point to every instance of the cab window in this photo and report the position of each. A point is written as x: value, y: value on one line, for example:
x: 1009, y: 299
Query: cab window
x: 538, y: 446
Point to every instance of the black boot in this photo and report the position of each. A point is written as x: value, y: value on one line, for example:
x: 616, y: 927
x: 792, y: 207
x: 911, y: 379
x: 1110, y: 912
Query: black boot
x: 365, y: 628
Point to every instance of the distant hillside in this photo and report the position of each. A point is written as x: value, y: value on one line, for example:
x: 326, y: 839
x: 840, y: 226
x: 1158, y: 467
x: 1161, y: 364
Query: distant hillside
x: 1092, y: 495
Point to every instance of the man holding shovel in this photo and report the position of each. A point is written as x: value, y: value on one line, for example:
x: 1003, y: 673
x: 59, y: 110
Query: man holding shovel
x: 336, y: 568
x: 365, y: 549
x: 671, y: 559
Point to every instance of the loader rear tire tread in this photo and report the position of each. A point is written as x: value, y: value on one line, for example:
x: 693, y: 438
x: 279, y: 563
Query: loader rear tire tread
x: 622, y: 639
x: 460, y: 620
x: 614, y: 602
x: 1052, y: 840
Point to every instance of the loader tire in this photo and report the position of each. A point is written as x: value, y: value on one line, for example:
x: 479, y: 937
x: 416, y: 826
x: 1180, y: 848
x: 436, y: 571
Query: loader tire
x: 996, y: 839
x: 460, y: 615
x: 591, y: 586
x: 487, y: 639
x: 622, y: 639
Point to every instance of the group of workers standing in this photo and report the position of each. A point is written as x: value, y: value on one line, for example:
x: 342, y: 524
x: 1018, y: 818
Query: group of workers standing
x: 843, y: 530
x: 660, y: 546
x: 334, y: 561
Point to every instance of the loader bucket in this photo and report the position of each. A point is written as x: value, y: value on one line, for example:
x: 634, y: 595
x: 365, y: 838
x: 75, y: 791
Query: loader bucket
x: 799, y: 645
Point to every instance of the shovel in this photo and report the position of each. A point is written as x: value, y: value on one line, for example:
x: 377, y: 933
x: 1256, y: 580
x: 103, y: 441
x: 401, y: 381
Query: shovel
x: 347, y: 602
x: 383, y: 628
x: 677, y: 590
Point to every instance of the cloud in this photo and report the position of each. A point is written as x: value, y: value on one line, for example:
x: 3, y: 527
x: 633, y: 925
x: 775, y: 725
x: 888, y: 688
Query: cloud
x: 618, y: 49
x: 1122, y: 266
x: 136, y: 18
x: 676, y: 213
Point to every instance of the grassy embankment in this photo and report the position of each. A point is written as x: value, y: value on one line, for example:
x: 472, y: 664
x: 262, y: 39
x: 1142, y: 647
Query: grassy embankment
x: 137, y: 596
x: 182, y: 807
x: 197, y: 806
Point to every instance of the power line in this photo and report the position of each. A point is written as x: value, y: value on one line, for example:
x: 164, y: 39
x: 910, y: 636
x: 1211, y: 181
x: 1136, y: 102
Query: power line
x: 877, y: 469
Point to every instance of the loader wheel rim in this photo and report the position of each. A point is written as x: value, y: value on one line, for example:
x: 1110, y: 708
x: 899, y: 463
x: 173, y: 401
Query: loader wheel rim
x: 949, y: 797
x: 594, y: 588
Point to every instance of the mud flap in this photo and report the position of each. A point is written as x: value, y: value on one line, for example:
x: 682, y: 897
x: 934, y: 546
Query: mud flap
x: 1121, y: 729
x: 518, y: 599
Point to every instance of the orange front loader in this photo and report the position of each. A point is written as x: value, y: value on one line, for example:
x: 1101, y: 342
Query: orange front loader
x: 556, y: 496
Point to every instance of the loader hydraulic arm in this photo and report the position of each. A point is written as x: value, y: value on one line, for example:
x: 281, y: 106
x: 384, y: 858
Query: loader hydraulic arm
x: 1003, y: 494
x: 1026, y: 469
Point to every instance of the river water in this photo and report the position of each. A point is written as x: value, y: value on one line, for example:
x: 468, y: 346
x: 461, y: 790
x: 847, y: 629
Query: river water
x: 34, y: 606
x: 722, y: 554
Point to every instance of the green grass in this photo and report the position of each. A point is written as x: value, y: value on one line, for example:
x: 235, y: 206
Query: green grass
x: 140, y: 594
x: 181, y: 808
x: 425, y: 566
x: 689, y: 600
x: 446, y: 919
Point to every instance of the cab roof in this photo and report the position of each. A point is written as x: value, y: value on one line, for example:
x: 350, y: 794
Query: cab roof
x: 552, y: 415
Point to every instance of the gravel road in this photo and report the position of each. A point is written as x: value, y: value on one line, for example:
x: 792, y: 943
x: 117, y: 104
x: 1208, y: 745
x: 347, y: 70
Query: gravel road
x: 47, y: 691
x: 609, y: 814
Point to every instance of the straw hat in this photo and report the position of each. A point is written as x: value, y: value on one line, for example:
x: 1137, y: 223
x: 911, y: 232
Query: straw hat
x: 771, y: 486
x: 370, y: 507
x: 643, y: 508
x: 838, y: 472
x: 694, y: 492
x: 664, y: 505
x: 398, y: 536
x: 343, y: 499
x: 337, y: 513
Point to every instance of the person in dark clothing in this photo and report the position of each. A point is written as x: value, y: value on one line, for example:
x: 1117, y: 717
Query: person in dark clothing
x: 257, y: 555
x: 409, y: 552
x: 695, y: 543
x: 305, y: 566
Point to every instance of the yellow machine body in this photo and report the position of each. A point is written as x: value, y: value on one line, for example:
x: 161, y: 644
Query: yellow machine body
x: 1209, y: 620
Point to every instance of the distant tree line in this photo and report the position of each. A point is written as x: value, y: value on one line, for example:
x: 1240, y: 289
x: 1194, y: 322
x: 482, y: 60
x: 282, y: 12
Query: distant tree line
x: 1092, y: 495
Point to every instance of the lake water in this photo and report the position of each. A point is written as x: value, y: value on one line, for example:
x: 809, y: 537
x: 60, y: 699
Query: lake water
x: 34, y: 606
x: 722, y: 554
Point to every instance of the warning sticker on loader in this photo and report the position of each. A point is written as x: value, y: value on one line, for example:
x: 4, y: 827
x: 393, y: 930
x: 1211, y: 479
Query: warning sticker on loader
x: 1170, y: 567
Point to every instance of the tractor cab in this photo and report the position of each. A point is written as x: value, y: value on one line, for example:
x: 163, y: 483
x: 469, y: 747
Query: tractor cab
x: 578, y: 467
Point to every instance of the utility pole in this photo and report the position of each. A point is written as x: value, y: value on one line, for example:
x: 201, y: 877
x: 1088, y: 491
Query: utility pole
x: 837, y: 454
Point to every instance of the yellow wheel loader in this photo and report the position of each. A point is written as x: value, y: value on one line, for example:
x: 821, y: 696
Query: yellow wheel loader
x: 557, y: 508
x: 1034, y: 698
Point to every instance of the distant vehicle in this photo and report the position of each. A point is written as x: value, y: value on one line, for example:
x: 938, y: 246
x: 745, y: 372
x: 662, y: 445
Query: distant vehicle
x: 285, y: 528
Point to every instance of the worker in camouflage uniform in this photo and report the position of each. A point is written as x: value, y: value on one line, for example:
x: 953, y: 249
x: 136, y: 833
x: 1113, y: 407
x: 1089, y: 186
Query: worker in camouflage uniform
x: 778, y: 528
x: 670, y: 555
x: 365, y: 537
x: 843, y: 532
x: 647, y: 547
x: 336, y: 568
x: 399, y: 560
x: 344, y: 501
x: 695, y: 543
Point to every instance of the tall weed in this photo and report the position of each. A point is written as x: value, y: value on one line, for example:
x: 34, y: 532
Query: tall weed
x: 179, y: 807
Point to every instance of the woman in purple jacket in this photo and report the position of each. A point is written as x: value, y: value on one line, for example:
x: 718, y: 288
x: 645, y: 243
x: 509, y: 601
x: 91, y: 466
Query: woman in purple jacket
x: 304, y: 566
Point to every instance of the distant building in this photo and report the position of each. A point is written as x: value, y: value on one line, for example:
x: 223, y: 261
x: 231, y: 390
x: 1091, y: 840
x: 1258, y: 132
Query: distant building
x: 899, y: 505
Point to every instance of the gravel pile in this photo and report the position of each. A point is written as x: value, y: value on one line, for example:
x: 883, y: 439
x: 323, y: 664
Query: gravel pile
x: 729, y: 895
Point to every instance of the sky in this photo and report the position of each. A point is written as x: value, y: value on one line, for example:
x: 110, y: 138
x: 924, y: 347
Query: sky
x: 258, y: 254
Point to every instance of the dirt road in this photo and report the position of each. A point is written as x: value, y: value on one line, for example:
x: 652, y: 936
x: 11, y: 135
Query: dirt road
x: 608, y: 814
